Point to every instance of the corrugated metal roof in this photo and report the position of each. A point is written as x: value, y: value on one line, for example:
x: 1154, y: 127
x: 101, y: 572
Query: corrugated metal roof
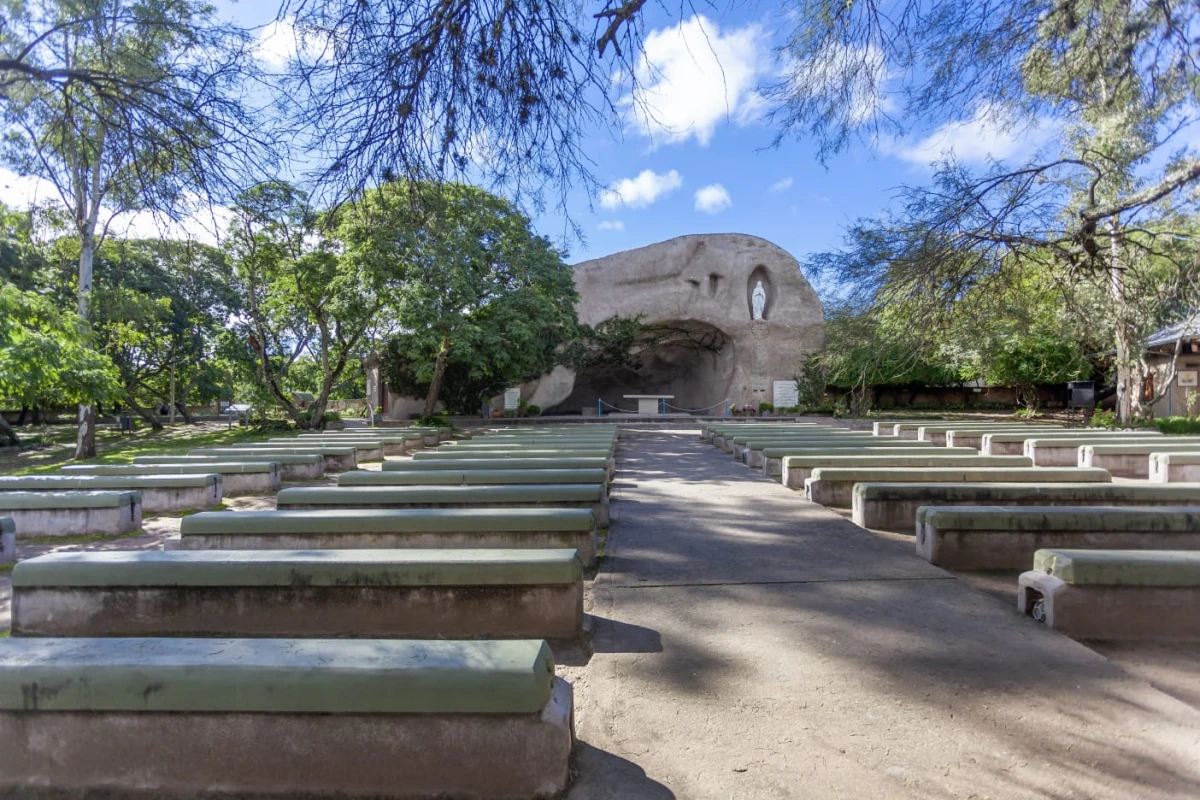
x: 1185, y: 329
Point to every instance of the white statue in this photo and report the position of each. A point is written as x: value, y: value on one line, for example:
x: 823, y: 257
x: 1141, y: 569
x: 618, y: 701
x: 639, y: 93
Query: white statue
x: 759, y: 300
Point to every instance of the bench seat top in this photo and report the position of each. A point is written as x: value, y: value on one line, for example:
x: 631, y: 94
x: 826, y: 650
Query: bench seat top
x: 1181, y: 493
x: 933, y: 474
x: 935, y: 459
x: 31, y: 501
x: 1190, y: 457
x: 36, y: 483
x: 351, y: 495
x: 386, y: 520
x: 472, y: 477
x: 1120, y: 567
x: 1065, y: 437
x: 1142, y: 448
x: 367, y: 433
x: 863, y: 448
x: 354, y: 444
x: 465, y: 464
x: 211, y: 468
x: 300, y: 568
x: 295, y: 458
x: 321, y: 450
x: 1166, y: 519
x: 367, y: 676
x: 440, y: 455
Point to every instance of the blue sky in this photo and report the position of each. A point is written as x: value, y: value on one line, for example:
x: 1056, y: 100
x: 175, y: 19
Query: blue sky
x: 703, y: 163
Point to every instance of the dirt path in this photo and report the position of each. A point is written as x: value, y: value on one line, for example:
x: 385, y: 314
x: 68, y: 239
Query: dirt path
x: 749, y: 644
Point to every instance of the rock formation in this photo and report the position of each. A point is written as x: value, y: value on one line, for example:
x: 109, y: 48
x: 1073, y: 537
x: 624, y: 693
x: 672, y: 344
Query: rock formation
x: 702, y: 288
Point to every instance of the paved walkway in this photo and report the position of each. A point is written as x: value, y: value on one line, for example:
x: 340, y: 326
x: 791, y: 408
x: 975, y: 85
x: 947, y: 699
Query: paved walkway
x: 752, y: 645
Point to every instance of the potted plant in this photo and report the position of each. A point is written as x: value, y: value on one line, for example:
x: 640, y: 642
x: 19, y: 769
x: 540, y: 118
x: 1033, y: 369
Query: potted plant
x: 766, y: 409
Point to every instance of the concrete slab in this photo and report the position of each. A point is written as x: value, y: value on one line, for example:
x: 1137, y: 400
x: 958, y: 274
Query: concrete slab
x: 750, y: 644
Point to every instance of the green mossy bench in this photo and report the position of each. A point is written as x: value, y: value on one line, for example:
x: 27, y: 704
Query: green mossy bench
x: 964, y: 436
x: 159, y: 493
x: 740, y: 446
x: 1125, y: 595
x: 333, y: 459
x: 240, y: 477
x: 773, y: 456
x: 754, y: 452
x: 1131, y: 460
x: 389, y: 445
x: 589, y: 496
x: 294, y: 467
x: 939, y: 435
x: 1056, y: 452
x: 283, y: 717
x: 1006, y: 537
x: 912, y: 430
x: 893, y: 506
x: 479, y: 477
x: 1175, y: 467
x: 73, y: 513
x: 533, y: 463
x: 443, y: 454
x: 365, y: 450
x: 798, y: 469
x: 8, y: 540
x: 834, y: 486
x: 374, y: 528
x: 1013, y: 444
x: 410, y: 593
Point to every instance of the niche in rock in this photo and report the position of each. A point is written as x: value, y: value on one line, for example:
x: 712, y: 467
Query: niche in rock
x: 757, y: 275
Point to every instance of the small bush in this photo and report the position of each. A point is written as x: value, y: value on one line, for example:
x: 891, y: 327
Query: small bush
x: 437, y: 420
x: 510, y: 414
x: 1104, y: 419
x: 1176, y: 425
x: 533, y: 411
x: 1025, y: 413
x: 765, y: 407
x: 271, y: 426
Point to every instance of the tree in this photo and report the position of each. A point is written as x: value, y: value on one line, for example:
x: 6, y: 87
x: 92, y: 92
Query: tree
x: 304, y: 292
x: 45, y: 355
x: 1119, y: 79
x: 122, y: 106
x: 476, y: 290
x: 494, y: 91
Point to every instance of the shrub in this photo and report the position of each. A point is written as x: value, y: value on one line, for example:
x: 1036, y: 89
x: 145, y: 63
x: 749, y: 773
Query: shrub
x: 762, y: 407
x: 1104, y: 419
x: 1025, y: 413
x: 510, y: 414
x: 1176, y: 425
x: 437, y: 420
x: 533, y: 411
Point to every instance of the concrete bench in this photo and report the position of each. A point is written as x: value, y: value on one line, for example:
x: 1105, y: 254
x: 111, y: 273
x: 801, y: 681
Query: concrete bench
x: 390, y: 445
x: 412, y: 594
x: 390, y: 529
x: 533, y: 463
x: 365, y: 450
x: 720, y: 438
x: 334, y: 459
x: 256, y: 477
x: 1114, y: 594
x: 484, y: 446
x: 73, y: 513
x: 1130, y: 460
x: 893, y: 506
x: 740, y: 446
x: 939, y: 434
x: 414, y: 440
x: 479, y: 477
x: 283, y: 717
x: 8, y: 540
x: 973, y: 437
x: 772, y: 457
x: 443, y: 454
x: 833, y: 486
x: 1175, y: 467
x: 755, y: 454
x: 296, y: 467
x: 1013, y: 444
x: 999, y: 537
x: 159, y: 493
x: 798, y: 469
x: 1064, y: 452
x: 589, y: 496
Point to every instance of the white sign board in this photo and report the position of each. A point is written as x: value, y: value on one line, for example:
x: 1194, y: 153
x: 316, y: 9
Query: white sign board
x: 787, y: 393
x: 512, y: 398
x: 1187, y: 378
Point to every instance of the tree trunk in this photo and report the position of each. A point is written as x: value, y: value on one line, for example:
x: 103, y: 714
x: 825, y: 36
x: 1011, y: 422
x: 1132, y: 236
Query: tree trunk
x: 1129, y: 389
x: 7, y: 432
x: 21, y: 417
x: 85, y: 439
x: 147, y: 414
x: 439, y: 375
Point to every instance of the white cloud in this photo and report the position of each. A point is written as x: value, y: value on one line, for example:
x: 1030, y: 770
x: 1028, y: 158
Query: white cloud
x: 641, y: 191
x: 611, y: 225
x: 988, y: 135
x: 23, y: 191
x: 691, y: 77
x: 279, y: 42
x: 852, y: 78
x: 782, y: 185
x: 713, y: 199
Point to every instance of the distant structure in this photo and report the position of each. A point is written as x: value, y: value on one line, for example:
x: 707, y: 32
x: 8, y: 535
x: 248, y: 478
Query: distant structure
x: 743, y: 318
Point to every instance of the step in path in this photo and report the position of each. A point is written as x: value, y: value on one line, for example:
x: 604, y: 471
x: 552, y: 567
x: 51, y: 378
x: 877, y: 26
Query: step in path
x: 749, y: 644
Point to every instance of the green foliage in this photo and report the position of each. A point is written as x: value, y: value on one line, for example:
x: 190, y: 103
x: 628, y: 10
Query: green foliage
x: 46, y: 356
x: 483, y: 301
x: 1103, y: 419
x: 439, y: 420
x: 1175, y: 425
x: 765, y: 407
x: 533, y: 410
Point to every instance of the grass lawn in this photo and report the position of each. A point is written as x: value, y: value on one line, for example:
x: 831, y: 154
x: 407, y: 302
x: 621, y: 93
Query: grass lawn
x: 113, y: 448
